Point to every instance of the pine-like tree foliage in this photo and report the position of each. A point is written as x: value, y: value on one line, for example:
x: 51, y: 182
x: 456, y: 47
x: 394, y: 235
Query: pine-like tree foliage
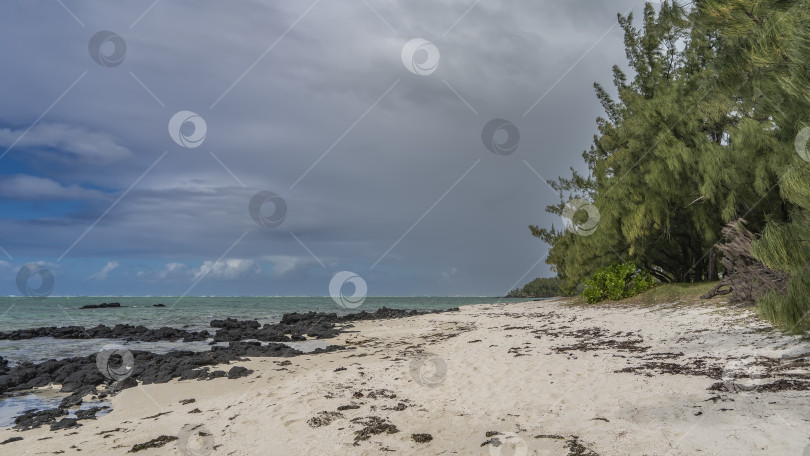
x: 766, y: 45
x: 646, y: 164
x: 703, y: 133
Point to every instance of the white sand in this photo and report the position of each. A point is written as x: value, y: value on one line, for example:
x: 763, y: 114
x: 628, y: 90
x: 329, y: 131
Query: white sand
x: 511, y: 381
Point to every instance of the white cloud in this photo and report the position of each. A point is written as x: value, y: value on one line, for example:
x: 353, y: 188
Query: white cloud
x: 86, y: 145
x: 105, y: 271
x: 170, y: 271
x: 33, y: 188
x: 172, y: 268
x: 227, y: 269
x: 288, y: 265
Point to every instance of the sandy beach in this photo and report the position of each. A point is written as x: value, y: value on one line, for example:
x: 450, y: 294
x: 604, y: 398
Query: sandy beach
x: 537, y: 378
x: 439, y: 228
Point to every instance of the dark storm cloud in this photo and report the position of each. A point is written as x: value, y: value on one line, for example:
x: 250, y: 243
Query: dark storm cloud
x: 290, y: 106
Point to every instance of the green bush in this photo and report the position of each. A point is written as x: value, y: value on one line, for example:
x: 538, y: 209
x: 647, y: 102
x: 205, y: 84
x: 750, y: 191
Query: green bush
x: 617, y: 281
x: 789, y: 311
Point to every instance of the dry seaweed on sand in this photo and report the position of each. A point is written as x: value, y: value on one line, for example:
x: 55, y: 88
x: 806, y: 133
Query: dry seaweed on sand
x: 372, y: 425
x: 154, y: 443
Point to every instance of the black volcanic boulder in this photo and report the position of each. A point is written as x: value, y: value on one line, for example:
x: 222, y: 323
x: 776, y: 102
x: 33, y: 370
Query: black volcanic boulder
x: 65, y: 423
x: 89, y: 414
x: 295, y: 318
x: 123, y: 384
x: 119, y: 331
x: 232, y: 323
x: 231, y: 329
x: 272, y: 333
x: 238, y: 372
x: 383, y: 313
x: 76, y: 398
x: 312, y: 324
x: 31, y: 419
x: 104, y: 305
x: 86, y: 374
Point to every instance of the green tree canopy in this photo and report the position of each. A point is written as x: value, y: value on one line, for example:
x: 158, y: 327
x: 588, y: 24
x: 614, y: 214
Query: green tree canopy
x: 704, y: 132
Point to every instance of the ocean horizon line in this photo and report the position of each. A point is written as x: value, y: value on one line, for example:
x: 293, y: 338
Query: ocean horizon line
x: 249, y: 296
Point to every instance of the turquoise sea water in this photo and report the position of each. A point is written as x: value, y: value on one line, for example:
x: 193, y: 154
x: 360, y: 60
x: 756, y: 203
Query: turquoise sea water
x: 196, y: 312
x: 193, y: 313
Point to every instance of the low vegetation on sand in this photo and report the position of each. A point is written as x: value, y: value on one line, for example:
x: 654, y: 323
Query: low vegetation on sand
x: 666, y: 293
x: 617, y: 281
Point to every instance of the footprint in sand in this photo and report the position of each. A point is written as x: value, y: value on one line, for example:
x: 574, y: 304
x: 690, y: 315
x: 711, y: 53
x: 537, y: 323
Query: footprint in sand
x: 288, y: 423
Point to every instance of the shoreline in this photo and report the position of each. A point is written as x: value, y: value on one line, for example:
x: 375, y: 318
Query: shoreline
x: 116, y: 367
x: 545, y: 376
x: 195, y: 314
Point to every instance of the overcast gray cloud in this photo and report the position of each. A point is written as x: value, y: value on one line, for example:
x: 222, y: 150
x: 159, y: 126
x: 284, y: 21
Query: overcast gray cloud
x: 282, y: 86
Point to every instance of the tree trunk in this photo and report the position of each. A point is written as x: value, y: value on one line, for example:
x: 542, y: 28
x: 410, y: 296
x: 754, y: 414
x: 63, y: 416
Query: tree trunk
x: 712, y: 274
x: 716, y: 291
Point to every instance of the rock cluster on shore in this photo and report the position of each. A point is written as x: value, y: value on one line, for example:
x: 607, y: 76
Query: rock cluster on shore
x: 292, y: 327
x: 127, y: 333
x: 81, y: 375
